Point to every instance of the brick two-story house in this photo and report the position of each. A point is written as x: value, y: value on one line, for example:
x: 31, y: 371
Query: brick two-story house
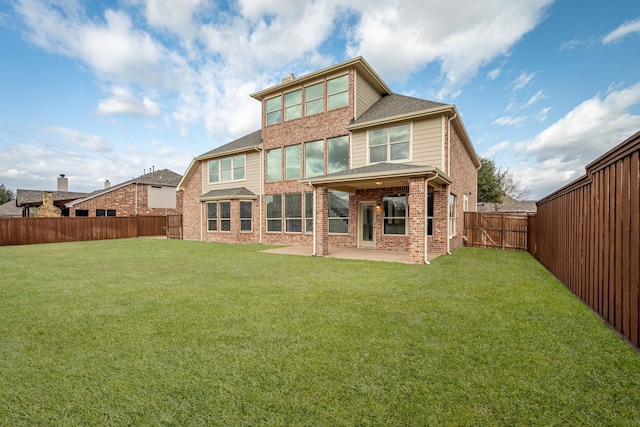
x: 340, y: 161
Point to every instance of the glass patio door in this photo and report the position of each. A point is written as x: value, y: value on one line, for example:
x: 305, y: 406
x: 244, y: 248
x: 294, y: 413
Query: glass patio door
x: 366, y: 226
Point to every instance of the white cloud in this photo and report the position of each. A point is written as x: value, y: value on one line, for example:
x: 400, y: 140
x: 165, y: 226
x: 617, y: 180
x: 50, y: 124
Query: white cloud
x: 560, y: 152
x: 75, y: 138
x: 494, y: 74
x: 399, y: 38
x: 523, y: 80
x: 622, y: 31
x: 496, y: 149
x: 123, y: 102
x: 535, y: 98
x: 174, y: 15
x: 509, y: 121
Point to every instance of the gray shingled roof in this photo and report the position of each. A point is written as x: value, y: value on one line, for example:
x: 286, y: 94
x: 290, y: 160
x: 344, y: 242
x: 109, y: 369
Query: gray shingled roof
x: 229, y: 192
x: 396, y: 105
x: 27, y: 197
x: 164, y: 177
x: 9, y: 209
x: 251, y: 140
x: 160, y: 177
x: 373, y: 169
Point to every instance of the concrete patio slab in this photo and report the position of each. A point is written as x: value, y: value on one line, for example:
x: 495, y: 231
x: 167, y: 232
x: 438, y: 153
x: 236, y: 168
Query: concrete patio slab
x: 350, y: 253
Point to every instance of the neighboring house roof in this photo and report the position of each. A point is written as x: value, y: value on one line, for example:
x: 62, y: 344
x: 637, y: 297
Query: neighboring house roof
x: 9, y: 209
x: 248, y: 142
x: 508, y: 204
x: 34, y: 197
x: 162, y: 177
x: 236, y: 193
x: 393, y: 105
x: 254, y: 139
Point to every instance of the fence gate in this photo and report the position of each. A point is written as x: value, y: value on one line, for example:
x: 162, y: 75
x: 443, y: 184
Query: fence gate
x: 496, y: 230
x: 174, y: 226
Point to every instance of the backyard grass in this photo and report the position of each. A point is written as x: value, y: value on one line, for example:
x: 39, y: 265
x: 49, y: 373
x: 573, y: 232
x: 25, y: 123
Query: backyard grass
x: 165, y: 332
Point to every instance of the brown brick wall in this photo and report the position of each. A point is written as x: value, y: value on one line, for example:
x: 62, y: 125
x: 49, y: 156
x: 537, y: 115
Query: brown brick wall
x: 464, y: 173
x: 123, y: 200
x: 192, y: 207
x: 317, y: 127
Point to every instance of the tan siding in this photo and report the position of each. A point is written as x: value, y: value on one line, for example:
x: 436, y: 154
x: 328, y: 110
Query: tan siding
x: 427, y: 142
x: 251, y: 183
x: 358, y: 149
x: 366, y: 96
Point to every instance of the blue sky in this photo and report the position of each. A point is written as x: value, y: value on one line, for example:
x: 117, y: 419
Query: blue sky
x: 107, y: 90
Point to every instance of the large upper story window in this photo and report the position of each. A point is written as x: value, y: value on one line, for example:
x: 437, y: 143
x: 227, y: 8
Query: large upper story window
x: 274, y: 164
x: 227, y: 169
x: 293, y: 105
x: 395, y: 214
x: 338, y: 92
x: 313, y: 159
x: 273, y: 108
x: 314, y: 99
x: 293, y: 162
x: 388, y: 144
x: 338, y: 156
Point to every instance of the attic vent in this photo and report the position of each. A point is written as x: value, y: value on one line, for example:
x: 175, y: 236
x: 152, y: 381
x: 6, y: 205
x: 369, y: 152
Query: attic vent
x: 289, y: 78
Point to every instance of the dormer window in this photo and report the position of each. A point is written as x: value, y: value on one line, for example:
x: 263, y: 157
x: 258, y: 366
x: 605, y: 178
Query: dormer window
x: 273, y: 107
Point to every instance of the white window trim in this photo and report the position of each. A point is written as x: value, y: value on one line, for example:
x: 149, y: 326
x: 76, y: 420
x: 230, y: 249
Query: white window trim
x: 233, y: 170
x: 406, y: 218
x: 407, y: 160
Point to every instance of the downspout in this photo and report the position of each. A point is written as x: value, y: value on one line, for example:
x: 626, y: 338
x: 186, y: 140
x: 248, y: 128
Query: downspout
x: 426, y: 211
x: 136, y: 199
x: 261, y: 189
x: 448, y: 219
x: 313, y: 246
x: 201, y: 218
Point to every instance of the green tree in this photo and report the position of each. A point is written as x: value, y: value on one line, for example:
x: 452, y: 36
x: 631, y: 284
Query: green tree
x: 495, y: 183
x: 489, y: 185
x: 5, y: 194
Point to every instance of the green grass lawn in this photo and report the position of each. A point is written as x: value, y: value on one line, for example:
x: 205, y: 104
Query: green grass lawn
x: 164, y: 332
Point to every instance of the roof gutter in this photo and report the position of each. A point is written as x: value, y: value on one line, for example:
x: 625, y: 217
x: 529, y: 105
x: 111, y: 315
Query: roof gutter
x: 407, y: 116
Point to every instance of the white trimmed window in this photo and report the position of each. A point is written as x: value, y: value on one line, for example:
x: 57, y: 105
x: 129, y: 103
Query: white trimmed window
x: 246, y: 215
x: 338, y: 154
x: 274, y: 165
x: 314, y: 99
x: 389, y: 144
x: 396, y: 213
x: 293, y: 213
x: 293, y: 105
x: 212, y: 216
x: 338, y: 92
x: 308, y: 212
x: 430, y: 213
x: 452, y: 214
x: 274, y: 212
x: 338, y: 212
x: 313, y: 159
x: 273, y: 108
x: 225, y: 216
x: 293, y: 162
x: 227, y: 169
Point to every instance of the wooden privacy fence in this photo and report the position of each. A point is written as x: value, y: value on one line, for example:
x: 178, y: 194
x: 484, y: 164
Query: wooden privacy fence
x: 587, y: 234
x: 496, y: 230
x: 24, y: 231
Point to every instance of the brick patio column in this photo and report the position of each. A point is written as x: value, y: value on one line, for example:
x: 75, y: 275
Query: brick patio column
x: 417, y: 219
x: 322, y: 221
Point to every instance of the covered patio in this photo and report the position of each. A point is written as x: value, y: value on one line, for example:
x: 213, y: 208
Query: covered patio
x: 417, y: 227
